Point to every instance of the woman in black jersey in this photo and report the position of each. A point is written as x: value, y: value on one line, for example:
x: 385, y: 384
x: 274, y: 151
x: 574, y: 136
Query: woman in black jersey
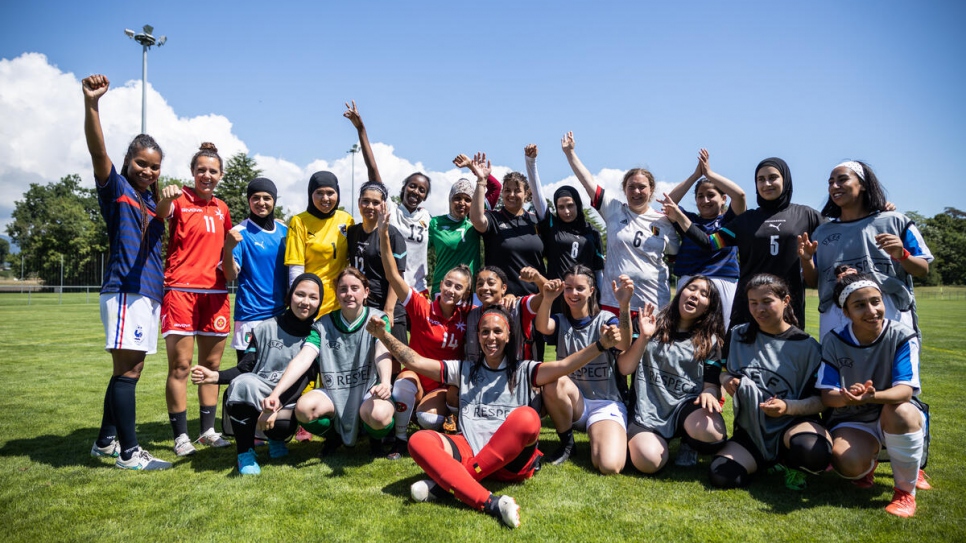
x: 766, y: 237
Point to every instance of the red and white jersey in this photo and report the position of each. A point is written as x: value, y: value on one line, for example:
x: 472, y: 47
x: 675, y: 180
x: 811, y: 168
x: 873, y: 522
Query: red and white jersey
x: 197, y: 240
x: 431, y: 334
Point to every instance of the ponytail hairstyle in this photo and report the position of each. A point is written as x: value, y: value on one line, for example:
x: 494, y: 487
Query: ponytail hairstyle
x: 517, y: 177
x: 873, y: 197
x: 138, y: 144
x: 509, y: 351
x: 779, y: 288
x: 707, y: 332
x: 465, y: 271
x: 495, y: 270
x: 593, y: 308
x: 207, y: 149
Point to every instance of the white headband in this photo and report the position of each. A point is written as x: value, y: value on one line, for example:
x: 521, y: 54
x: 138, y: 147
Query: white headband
x: 855, y: 167
x: 854, y: 287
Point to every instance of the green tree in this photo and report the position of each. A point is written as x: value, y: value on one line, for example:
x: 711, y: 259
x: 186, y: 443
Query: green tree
x: 59, y: 220
x: 233, y: 188
x: 4, y: 251
x: 945, y: 235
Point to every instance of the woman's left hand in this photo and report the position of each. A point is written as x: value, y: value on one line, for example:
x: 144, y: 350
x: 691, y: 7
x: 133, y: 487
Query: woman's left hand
x: 382, y: 391
x: 610, y: 335
x: 891, y: 244
x: 774, y: 407
x: 709, y: 402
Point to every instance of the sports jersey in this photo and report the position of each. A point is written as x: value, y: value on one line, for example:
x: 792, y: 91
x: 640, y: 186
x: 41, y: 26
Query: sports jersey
x: 262, y: 277
x: 599, y: 378
x: 564, y: 248
x: 891, y: 360
x: 320, y: 246
x: 347, y: 367
x: 767, y: 242
x: 274, y: 348
x: 511, y: 243
x: 432, y: 335
x: 455, y: 243
x: 198, y: 229
x: 134, y: 235
x: 486, y: 399
x: 364, y: 255
x: 781, y: 366
x: 693, y: 259
x: 414, y: 228
x: 521, y: 319
x: 853, y: 243
x: 636, y: 245
x: 665, y: 381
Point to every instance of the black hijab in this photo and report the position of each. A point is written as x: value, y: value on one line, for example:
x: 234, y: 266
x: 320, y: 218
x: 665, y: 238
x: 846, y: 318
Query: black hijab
x: 287, y: 321
x: 323, y: 179
x: 262, y: 184
x: 579, y: 224
x: 785, y: 198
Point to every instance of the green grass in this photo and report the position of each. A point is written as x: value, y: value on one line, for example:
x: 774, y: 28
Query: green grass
x: 55, y: 371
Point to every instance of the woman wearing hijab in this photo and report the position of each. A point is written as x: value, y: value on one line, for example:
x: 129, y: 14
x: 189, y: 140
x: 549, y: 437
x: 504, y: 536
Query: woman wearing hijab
x: 274, y: 343
x: 766, y: 237
x: 317, y: 237
x: 255, y: 255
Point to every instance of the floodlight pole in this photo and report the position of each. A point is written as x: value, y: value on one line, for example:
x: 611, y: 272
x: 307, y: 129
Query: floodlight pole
x: 146, y: 40
x: 354, y: 149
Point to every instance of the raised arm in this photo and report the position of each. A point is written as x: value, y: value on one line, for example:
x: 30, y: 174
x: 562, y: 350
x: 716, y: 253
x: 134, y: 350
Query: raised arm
x: 480, y: 167
x: 551, y: 371
x: 539, y: 202
x: 398, y: 283
x: 169, y: 194
x: 94, y: 87
x: 352, y: 113
x: 543, y: 322
x: 682, y: 188
x: 739, y: 202
x: 408, y: 357
x: 806, y: 251
x: 568, y: 144
x: 628, y: 360
x: 228, y: 265
x: 624, y: 292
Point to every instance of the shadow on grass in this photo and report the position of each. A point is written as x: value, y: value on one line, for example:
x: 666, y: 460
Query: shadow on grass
x: 73, y: 449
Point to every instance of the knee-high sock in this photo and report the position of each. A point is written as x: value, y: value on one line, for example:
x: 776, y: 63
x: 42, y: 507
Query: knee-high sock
x: 905, y: 451
x: 404, y: 396
x: 429, y: 421
x: 426, y: 448
x: 244, y: 419
x: 519, y: 429
x: 124, y: 414
x: 207, y: 417
x: 108, y: 430
x: 283, y: 429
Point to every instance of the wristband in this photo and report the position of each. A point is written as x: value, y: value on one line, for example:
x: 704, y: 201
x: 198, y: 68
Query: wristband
x: 905, y: 255
x: 600, y: 346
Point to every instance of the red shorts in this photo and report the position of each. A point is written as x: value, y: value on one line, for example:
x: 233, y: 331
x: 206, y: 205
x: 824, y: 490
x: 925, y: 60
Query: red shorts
x: 195, y: 313
x: 428, y: 384
x: 467, y: 458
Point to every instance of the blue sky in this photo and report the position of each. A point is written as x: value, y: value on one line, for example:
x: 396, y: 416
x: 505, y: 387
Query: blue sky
x: 640, y: 84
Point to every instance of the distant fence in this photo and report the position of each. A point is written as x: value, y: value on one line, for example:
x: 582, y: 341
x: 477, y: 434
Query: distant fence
x: 13, y: 294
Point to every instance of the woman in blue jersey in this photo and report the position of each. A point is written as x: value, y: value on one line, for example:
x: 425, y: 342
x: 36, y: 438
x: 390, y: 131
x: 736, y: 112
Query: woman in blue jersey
x: 133, y: 281
x: 255, y: 256
x: 273, y: 343
x: 711, y: 193
x: 870, y: 378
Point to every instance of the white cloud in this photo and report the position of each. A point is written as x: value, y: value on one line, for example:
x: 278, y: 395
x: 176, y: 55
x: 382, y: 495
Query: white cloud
x: 42, y: 139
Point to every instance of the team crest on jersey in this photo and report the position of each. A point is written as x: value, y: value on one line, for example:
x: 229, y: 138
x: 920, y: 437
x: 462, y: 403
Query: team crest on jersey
x: 138, y: 335
x: 845, y: 362
x: 221, y: 323
x: 334, y: 345
x: 624, y: 222
x: 343, y: 229
x: 248, y: 337
x: 221, y: 215
x: 274, y: 344
x: 655, y: 231
x: 461, y: 326
x: 831, y: 239
x: 769, y: 382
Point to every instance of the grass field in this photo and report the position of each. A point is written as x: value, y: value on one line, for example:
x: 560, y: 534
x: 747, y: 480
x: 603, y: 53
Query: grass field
x: 55, y: 371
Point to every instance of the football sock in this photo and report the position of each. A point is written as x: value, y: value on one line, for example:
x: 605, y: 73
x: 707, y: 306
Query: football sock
x: 244, y: 418
x: 429, y: 421
x: 520, y: 429
x: 108, y: 432
x: 426, y: 448
x: 124, y: 414
x: 905, y: 451
x: 207, y: 417
x: 179, y: 423
x: 404, y: 396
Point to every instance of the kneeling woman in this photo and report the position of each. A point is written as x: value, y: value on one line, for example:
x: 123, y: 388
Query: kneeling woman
x: 870, y: 377
x: 675, y: 362
x: 499, y: 430
x: 274, y: 343
x: 354, y: 371
x: 771, y: 375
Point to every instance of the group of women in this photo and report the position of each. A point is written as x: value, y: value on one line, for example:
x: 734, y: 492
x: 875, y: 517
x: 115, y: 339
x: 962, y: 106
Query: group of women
x: 385, y: 340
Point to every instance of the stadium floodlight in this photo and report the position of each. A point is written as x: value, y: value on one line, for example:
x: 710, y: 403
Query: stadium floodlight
x: 146, y: 40
x: 354, y: 150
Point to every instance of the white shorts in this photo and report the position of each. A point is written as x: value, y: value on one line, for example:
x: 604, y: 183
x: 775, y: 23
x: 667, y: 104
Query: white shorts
x: 243, y: 334
x: 874, y: 428
x: 726, y: 288
x: 598, y: 410
x: 130, y: 322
